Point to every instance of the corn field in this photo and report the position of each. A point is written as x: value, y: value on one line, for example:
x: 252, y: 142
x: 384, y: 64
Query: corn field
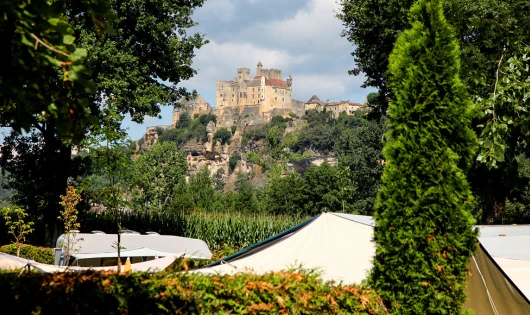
x: 218, y: 230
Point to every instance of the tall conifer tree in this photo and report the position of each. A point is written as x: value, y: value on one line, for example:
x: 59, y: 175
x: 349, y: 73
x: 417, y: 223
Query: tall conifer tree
x: 423, y: 228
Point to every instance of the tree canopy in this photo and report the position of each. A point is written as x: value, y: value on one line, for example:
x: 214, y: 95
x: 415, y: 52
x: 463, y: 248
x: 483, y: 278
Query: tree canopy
x: 423, y: 228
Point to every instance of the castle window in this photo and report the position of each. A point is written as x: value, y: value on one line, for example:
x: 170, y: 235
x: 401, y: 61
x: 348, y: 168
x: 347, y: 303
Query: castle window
x: 275, y: 98
x: 283, y: 99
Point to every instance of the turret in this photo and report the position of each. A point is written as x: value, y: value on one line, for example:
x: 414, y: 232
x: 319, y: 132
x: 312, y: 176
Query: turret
x: 289, y: 81
x: 258, y: 70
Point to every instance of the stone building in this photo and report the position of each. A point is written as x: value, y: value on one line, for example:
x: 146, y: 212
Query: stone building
x: 193, y: 107
x: 347, y: 107
x: 267, y: 90
x: 314, y: 103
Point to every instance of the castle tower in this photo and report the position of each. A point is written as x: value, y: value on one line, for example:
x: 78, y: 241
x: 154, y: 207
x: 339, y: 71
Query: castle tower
x: 258, y: 70
x: 289, y: 81
x: 243, y: 74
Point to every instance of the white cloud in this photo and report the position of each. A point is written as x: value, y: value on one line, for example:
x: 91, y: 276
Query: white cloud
x: 219, y: 61
x: 312, y: 28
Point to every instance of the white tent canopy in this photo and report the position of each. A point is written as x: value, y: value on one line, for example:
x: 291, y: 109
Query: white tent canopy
x: 89, y: 245
x: 341, y: 247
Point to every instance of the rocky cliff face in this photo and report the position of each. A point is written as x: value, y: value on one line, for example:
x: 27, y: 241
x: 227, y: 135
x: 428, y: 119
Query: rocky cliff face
x: 216, y: 157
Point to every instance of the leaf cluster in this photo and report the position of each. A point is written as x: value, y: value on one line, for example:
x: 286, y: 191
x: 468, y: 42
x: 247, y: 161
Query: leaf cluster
x: 292, y: 292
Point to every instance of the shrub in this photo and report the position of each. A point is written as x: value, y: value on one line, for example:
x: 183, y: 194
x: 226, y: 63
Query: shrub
x: 222, y: 135
x: 233, y: 160
x: 39, y: 254
x: 182, y: 293
x: 423, y: 227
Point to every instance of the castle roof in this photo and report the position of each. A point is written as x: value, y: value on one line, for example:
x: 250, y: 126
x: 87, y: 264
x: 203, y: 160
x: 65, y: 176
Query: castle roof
x: 344, y: 102
x: 268, y: 82
x: 314, y: 99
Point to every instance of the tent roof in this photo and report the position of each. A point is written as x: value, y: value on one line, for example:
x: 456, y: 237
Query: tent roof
x: 324, y: 243
x: 136, y: 245
x: 308, y: 246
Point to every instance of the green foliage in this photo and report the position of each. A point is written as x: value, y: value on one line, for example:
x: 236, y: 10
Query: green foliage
x: 201, y: 190
x: 69, y: 217
x: 135, y: 70
x: 155, y: 175
x: 490, y: 33
x: 294, y: 292
x: 261, y: 133
x: 223, y: 136
x: 39, y: 254
x: 186, y: 130
x: 504, y: 112
x: 318, y: 135
x: 286, y: 194
x: 42, y: 77
x: 17, y: 223
x: 328, y: 189
x: 423, y: 226
x: 358, y: 147
x: 217, y: 229
x: 233, y: 129
x: 233, y: 160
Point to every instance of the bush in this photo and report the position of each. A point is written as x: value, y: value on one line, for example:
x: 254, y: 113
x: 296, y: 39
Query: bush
x: 233, y: 160
x: 39, y: 254
x: 222, y: 135
x: 182, y: 293
x: 234, y: 128
x: 423, y: 227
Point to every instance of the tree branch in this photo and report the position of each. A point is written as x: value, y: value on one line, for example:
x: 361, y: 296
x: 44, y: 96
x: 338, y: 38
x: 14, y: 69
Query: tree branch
x: 38, y: 40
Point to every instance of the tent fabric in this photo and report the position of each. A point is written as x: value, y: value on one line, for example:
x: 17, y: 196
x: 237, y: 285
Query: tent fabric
x: 490, y: 291
x: 89, y: 245
x: 341, y: 247
x: 9, y: 262
x: 139, y: 252
x: 309, y: 248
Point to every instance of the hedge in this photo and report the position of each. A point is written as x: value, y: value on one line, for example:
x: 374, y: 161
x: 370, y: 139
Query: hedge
x: 182, y: 293
x: 39, y: 254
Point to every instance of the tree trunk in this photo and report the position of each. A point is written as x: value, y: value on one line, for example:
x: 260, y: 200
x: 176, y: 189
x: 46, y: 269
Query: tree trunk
x: 494, y: 198
x: 57, y: 168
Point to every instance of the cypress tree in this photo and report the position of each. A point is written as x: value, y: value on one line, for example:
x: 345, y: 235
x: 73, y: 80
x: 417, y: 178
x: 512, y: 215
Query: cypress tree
x: 424, y: 231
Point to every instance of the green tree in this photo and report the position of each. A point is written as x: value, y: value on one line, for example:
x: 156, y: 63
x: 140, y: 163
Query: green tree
x: 318, y: 134
x: 42, y: 76
x: 285, y: 193
x: 358, y: 148
x: 71, y: 225
x: 223, y: 136
x: 490, y: 33
x: 136, y: 69
x: 202, y: 191
x: 245, y: 200
x: 109, y: 145
x: 155, y: 175
x: 17, y: 225
x: 423, y: 229
x: 326, y: 189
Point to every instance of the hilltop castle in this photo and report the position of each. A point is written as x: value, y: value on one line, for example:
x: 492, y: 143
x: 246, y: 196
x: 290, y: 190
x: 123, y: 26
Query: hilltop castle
x: 267, y: 89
